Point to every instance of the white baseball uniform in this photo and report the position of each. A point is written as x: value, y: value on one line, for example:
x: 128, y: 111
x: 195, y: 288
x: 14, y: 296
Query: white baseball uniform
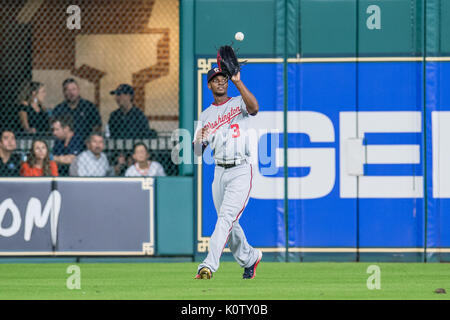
x: 231, y: 186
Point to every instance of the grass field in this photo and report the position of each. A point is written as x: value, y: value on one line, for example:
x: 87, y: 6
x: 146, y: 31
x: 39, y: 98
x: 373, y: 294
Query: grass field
x: 174, y: 281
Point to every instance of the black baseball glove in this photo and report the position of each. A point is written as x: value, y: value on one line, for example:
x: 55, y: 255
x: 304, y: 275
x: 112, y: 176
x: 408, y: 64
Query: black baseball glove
x: 227, y: 61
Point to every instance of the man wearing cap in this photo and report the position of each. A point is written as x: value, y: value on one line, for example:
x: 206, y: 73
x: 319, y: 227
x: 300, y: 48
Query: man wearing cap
x: 128, y: 121
x: 223, y: 126
x: 85, y: 115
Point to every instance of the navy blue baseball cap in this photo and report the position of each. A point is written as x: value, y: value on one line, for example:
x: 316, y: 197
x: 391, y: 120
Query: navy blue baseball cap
x: 123, y: 88
x: 214, y: 72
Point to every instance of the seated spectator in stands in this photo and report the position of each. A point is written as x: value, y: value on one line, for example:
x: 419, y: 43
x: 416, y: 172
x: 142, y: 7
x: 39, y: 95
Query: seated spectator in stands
x: 143, y: 167
x: 128, y: 121
x: 38, y: 162
x: 10, y: 161
x: 67, y: 145
x: 85, y: 115
x: 92, y: 162
x: 33, y: 116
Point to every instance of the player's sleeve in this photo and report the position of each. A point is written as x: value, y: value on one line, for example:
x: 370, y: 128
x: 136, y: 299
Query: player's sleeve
x: 243, y: 106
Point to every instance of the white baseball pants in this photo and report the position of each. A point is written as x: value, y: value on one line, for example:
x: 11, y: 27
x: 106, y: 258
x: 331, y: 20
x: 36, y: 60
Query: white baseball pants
x: 231, y: 191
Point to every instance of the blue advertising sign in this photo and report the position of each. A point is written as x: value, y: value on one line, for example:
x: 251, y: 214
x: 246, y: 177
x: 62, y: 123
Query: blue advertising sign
x: 358, y: 169
x: 438, y: 160
x: 77, y: 216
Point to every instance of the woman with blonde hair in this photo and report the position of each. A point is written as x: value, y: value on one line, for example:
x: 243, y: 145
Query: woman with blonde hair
x: 38, y: 162
x: 33, y: 116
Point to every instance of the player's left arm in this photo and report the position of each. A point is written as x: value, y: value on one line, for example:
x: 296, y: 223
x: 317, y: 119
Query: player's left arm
x: 247, y: 96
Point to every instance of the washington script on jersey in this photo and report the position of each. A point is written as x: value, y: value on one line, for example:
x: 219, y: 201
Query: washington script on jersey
x: 226, y: 118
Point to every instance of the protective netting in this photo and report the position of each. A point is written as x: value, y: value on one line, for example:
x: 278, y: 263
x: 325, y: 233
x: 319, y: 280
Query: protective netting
x: 71, y: 69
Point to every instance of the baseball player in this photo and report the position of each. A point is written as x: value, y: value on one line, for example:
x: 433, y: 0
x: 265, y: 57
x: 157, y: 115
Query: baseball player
x: 223, y: 126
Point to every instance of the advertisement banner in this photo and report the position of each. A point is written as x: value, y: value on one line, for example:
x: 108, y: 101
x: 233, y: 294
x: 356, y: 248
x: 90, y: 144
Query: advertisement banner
x: 438, y: 160
x: 29, y: 212
x: 77, y: 216
x: 354, y: 148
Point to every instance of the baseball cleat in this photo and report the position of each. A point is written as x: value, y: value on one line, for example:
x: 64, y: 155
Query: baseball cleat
x: 249, y: 273
x: 204, y: 273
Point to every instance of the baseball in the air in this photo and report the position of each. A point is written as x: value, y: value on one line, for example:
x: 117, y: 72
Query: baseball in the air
x: 239, y: 36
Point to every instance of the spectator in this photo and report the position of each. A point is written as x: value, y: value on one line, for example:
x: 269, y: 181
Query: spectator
x: 38, y: 162
x: 143, y: 167
x: 85, y: 115
x: 92, y: 162
x: 128, y: 121
x: 33, y: 116
x: 67, y: 145
x: 10, y: 161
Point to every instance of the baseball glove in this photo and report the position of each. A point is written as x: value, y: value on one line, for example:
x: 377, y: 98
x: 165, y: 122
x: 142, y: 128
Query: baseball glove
x: 227, y: 61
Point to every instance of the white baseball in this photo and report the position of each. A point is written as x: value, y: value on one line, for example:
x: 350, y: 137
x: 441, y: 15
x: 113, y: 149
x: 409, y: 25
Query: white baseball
x: 239, y: 36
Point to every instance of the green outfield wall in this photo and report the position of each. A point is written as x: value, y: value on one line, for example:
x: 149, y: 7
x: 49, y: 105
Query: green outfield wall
x: 329, y: 58
x: 175, y: 216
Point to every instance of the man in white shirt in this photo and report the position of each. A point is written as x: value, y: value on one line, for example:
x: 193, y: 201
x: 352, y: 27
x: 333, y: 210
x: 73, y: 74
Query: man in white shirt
x: 92, y: 162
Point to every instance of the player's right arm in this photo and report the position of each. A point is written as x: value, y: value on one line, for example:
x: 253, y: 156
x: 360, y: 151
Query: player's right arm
x: 200, y: 143
x: 248, y: 97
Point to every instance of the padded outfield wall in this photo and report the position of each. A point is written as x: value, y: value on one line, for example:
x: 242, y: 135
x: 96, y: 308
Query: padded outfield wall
x: 355, y: 107
x: 354, y: 95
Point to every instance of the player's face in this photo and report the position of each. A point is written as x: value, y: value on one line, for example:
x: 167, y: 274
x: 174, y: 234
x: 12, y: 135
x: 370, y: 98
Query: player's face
x: 8, y: 141
x: 96, y: 145
x: 218, y: 85
x: 40, y: 150
x: 71, y: 92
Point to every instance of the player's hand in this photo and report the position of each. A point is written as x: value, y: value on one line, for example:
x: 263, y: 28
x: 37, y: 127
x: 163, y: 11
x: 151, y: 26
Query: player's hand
x: 236, y: 77
x: 202, y: 134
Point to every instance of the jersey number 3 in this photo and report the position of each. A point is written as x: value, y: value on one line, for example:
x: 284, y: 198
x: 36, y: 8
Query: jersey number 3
x: 236, y: 132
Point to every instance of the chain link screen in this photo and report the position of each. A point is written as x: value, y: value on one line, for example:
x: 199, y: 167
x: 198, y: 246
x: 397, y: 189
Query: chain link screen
x: 91, y: 66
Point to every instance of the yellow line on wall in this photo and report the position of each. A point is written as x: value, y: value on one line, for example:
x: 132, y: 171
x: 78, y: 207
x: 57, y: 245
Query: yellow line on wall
x: 367, y: 59
x: 363, y: 250
x: 356, y: 59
